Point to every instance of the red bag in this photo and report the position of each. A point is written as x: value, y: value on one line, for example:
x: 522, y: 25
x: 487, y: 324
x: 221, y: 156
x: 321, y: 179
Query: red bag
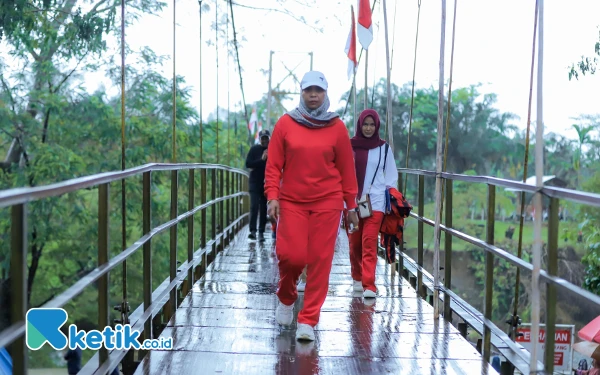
x: 392, y: 226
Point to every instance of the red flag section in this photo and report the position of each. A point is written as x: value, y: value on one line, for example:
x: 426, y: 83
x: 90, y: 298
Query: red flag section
x: 365, y: 24
x: 351, y: 48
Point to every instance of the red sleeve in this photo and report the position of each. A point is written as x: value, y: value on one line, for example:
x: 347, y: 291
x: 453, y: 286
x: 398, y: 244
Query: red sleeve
x: 344, y: 162
x: 275, y: 162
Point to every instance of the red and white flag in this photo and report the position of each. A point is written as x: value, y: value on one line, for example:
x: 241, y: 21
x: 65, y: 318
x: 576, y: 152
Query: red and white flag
x: 256, y: 136
x: 351, y: 48
x: 253, y: 122
x: 364, y: 29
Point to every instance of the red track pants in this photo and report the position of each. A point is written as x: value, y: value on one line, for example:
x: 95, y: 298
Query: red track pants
x: 306, y: 238
x: 363, y: 250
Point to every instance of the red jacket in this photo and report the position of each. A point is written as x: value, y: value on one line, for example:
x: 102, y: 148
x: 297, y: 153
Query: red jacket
x: 311, y: 168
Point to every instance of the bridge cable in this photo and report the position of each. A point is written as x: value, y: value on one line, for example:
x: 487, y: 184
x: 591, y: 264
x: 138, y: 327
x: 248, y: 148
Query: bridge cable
x: 391, y: 101
x: 200, y: 86
x: 123, y: 197
x: 375, y: 62
x: 238, y: 62
x: 217, y: 58
x: 174, y: 144
x: 514, y: 320
x: 449, y: 103
x: 412, y: 97
x: 228, y: 89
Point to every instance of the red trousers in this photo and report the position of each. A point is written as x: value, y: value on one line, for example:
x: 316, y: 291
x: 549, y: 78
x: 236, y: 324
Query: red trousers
x: 306, y: 238
x: 363, y: 250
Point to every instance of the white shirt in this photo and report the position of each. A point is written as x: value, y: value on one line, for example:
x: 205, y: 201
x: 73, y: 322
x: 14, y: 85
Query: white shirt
x: 390, y: 179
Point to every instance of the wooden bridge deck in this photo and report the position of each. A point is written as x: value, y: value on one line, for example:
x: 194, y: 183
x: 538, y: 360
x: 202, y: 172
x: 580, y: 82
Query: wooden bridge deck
x: 226, y: 325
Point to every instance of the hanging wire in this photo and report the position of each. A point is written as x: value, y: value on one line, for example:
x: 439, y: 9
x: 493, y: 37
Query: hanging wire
x: 515, y: 318
x: 238, y: 62
x: 394, y: 37
x: 200, y: 86
x: 375, y: 63
x: 124, y: 315
x: 174, y: 146
x: 449, y: 102
x: 412, y: 96
x: 228, y: 89
x: 217, y: 53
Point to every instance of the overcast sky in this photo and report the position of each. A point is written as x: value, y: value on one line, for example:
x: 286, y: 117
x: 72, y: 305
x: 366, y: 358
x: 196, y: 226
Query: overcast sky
x: 493, y: 47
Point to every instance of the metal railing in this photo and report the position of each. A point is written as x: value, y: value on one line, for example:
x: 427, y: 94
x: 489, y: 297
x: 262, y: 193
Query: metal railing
x: 517, y: 356
x: 228, y: 187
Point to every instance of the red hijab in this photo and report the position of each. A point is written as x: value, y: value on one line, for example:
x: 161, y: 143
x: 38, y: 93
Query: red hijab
x: 361, y: 146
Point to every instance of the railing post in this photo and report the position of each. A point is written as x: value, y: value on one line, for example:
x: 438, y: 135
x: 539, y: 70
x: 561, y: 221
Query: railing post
x: 448, y: 252
x: 103, y: 216
x: 18, y: 274
x: 238, y: 184
x: 400, y: 259
x: 551, y: 288
x: 173, y: 247
x: 421, y: 212
x: 489, y: 272
x: 203, y: 182
x: 190, y: 249
x: 147, y: 249
x: 246, y: 199
x: 222, y: 209
x: 213, y: 210
x: 228, y: 203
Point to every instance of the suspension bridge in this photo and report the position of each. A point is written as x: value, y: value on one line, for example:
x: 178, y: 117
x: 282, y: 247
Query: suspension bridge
x: 218, y: 301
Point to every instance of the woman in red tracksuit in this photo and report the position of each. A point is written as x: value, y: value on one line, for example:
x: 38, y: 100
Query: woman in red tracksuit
x: 309, y: 176
x: 370, y: 158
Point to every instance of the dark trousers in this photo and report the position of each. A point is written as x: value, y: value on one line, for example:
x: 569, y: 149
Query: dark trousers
x: 258, y: 204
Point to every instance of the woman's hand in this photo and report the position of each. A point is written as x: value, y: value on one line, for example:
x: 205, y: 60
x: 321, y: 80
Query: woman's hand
x: 273, y: 209
x: 352, y: 220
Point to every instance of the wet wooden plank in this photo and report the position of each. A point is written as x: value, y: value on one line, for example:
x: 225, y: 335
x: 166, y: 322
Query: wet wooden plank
x: 301, y: 361
x: 379, y: 344
x: 355, y: 320
x: 226, y: 325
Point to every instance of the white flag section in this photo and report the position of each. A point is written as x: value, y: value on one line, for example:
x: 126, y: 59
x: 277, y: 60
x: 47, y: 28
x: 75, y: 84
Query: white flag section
x: 253, y: 122
x: 364, y: 29
x: 258, y: 130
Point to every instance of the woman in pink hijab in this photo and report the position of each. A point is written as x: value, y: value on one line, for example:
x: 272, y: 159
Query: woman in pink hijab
x: 375, y: 172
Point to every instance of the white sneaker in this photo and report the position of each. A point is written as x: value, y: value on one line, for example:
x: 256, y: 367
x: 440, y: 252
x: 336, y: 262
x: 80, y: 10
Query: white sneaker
x: 305, y: 332
x: 357, y: 286
x: 301, y: 286
x: 369, y: 294
x: 284, y: 314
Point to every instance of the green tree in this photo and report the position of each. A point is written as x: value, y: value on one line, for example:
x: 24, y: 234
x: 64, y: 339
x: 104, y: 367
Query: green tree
x: 586, y: 64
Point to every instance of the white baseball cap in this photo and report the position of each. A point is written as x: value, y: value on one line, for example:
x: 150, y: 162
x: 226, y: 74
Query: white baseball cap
x: 314, y: 78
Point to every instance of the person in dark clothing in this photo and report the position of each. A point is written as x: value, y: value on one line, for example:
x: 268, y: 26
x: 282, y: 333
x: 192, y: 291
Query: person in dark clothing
x: 73, y: 358
x: 257, y: 162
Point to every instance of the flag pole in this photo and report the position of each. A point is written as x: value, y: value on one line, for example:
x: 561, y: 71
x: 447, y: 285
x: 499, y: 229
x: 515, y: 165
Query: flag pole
x: 366, y: 84
x: 355, y: 118
x: 388, y: 117
x: 537, y: 198
x: 438, y: 179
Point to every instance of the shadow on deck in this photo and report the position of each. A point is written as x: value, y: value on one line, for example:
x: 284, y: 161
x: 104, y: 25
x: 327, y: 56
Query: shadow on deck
x: 226, y: 325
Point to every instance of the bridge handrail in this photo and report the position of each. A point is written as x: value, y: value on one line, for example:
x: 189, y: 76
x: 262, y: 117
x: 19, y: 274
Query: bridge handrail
x: 232, y: 214
x: 549, y: 276
x: 553, y: 192
x: 10, y: 197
